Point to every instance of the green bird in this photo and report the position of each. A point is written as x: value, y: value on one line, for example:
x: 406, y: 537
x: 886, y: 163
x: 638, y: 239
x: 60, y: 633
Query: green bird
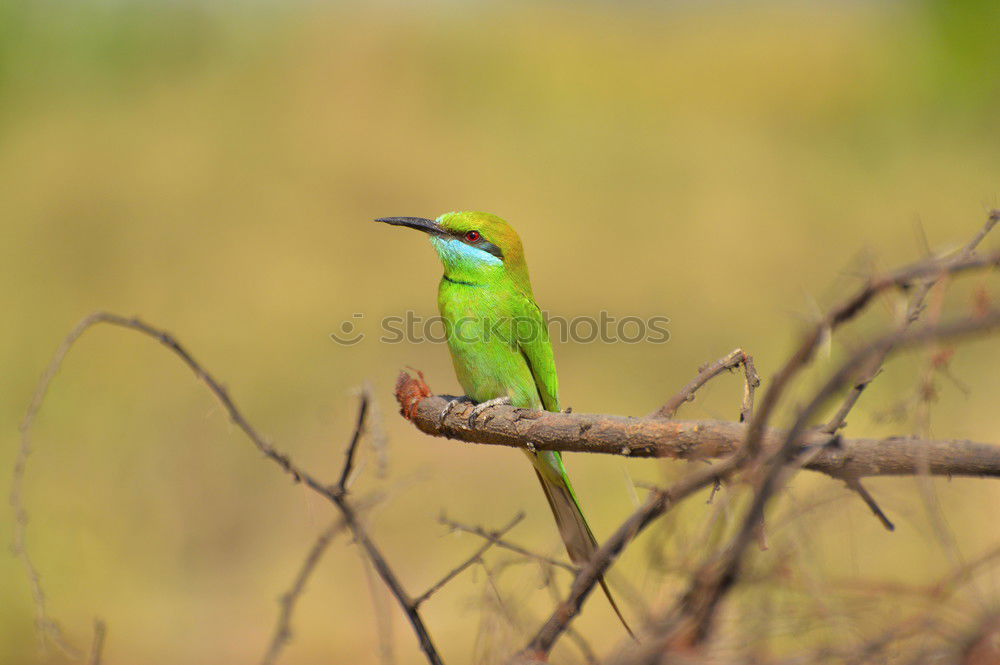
x: 500, y: 346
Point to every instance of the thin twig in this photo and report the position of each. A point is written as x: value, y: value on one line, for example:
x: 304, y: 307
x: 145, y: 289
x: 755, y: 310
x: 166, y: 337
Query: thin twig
x: 502, y: 618
x: 383, y: 619
x: 506, y: 544
x: 696, y: 610
x: 913, y: 312
x: 730, y: 361
x: 386, y: 573
x: 656, y: 504
x: 49, y: 630
x: 840, y: 314
x: 937, y: 591
x: 750, y: 385
x: 359, y: 428
x: 283, y: 630
x: 549, y: 580
x: 492, y: 538
x: 914, y: 309
x: 333, y: 493
x: 97, y: 645
x: 862, y: 491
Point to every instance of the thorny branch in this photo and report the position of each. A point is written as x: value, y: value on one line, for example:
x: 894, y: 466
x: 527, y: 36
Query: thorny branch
x: 352, y: 447
x: 336, y: 494
x: 769, y: 455
x: 702, y: 439
x: 694, y: 612
x: 283, y: 629
x: 769, y: 451
x: 656, y: 504
x: 732, y: 360
x: 656, y: 437
x: 97, y: 644
x: 506, y: 544
x: 697, y: 607
x: 914, y: 309
x: 839, y: 315
x: 492, y: 538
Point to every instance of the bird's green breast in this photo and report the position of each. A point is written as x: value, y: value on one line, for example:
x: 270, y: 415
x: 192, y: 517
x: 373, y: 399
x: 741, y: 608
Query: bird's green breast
x: 481, y: 320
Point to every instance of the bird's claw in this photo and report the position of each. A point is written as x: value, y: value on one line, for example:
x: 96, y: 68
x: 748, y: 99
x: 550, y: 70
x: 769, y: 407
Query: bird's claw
x: 521, y: 413
x: 483, y: 406
x: 449, y: 407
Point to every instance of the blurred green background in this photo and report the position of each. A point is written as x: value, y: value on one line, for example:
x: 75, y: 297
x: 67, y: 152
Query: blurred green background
x: 213, y: 167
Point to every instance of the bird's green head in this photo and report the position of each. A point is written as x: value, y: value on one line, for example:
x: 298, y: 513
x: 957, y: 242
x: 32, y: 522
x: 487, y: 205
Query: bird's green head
x: 473, y: 246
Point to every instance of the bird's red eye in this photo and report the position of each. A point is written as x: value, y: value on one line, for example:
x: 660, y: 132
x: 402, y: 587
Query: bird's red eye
x: 473, y: 236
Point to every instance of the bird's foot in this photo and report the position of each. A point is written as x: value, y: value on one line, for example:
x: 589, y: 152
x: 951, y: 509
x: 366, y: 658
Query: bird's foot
x: 483, y: 406
x: 446, y: 411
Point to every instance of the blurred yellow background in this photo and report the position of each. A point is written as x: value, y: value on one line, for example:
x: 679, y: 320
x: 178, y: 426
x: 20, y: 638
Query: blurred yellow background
x: 214, y: 169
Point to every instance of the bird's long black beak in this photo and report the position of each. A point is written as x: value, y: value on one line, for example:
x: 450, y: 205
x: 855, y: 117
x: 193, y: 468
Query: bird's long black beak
x: 418, y: 223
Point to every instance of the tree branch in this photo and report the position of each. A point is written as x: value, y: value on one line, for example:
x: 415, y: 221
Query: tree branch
x: 771, y: 454
x: 359, y: 428
x: 730, y: 361
x: 692, y: 618
x: 283, y: 630
x: 702, y: 439
x: 914, y: 309
x: 693, y: 615
x: 97, y: 645
x: 492, y: 538
x: 913, y: 312
x: 658, y: 502
x: 336, y: 494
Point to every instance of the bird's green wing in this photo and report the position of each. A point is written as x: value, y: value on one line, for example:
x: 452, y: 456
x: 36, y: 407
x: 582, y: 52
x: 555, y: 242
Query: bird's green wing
x: 533, y: 342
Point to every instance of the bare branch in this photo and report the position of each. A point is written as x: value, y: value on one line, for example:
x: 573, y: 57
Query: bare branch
x: 383, y: 618
x: 333, y: 493
x: 283, y: 629
x: 696, y: 609
x: 381, y: 565
x: 492, y: 537
x: 355, y: 438
x: 913, y: 311
x: 840, y: 314
x: 506, y: 544
x: 574, y: 635
x: 772, y: 455
x: 703, y: 439
x: 751, y: 383
x: 658, y: 502
x: 649, y: 437
x: 855, y: 484
x: 730, y: 361
x: 97, y: 645
x: 49, y: 630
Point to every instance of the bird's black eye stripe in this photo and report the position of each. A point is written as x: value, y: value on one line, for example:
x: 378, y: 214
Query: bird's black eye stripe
x: 483, y: 244
x: 491, y: 248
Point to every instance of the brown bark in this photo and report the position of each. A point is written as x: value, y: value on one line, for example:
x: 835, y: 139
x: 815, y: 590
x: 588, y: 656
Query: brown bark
x: 701, y: 439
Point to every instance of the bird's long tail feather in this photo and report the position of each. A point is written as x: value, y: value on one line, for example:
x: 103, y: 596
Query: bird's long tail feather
x: 576, y: 534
